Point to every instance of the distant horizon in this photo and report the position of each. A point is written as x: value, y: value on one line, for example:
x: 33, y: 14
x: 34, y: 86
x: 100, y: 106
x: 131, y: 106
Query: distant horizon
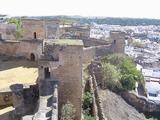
x: 147, y: 9
x: 99, y: 17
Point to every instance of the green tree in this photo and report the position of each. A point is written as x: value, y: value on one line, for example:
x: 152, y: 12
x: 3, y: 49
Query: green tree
x: 18, y: 23
x: 128, y: 67
x: 111, y: 77
x: 120, y: 65
x: 130, y: 75
x: 68, y: 112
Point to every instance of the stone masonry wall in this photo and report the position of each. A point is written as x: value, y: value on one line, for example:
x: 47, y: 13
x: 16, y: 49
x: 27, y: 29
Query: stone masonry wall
x: 31, y: 26
x: 67, y: 69
x: 90, y: 53
x: 141, y: 103
x: 9, y: 47
x: 8, y: 31
x: 118, y: 41
x: 21, y: 48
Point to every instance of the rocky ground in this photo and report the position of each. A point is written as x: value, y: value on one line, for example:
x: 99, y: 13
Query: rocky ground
x: 115, y: 108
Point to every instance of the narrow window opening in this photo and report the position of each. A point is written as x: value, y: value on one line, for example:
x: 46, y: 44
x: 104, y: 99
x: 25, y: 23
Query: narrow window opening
x: 35, y: 35
x: 47, y: 72
x: 0, y: 36
x: 114, y: 41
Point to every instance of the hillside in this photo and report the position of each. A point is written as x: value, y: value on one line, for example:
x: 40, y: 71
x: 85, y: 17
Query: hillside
x: 115, y: 108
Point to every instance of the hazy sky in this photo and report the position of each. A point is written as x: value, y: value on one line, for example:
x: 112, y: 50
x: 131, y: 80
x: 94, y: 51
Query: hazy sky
x: 109, y: 8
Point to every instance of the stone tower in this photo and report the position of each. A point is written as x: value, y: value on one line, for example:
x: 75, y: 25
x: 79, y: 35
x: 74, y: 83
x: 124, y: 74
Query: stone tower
x: 118, y: 41
x: 62, y: 61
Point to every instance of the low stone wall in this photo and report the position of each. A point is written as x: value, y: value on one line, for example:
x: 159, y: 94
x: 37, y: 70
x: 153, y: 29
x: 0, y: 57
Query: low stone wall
x: 55, y: 104
x: 7, y: 114
x: 141, y: 103
x: 94, y: 42
x: 100, y: 112
x: 90, y: 53
x: 23, y: 100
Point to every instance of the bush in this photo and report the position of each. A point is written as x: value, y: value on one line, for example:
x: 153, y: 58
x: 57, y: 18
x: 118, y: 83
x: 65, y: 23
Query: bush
x: 87, y: 117
x: 120, y: 73
x: 128, y: 82
x: 111, y: 77
x: 87, y: 102
x: 68, y: 112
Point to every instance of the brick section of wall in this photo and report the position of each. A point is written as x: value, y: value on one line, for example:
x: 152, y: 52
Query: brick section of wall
x: 90, y: 53
x: 8, y: 31
x: 44, y: 29
x: 21, y: 48
x: 118, y: 41
x: 68, y: 70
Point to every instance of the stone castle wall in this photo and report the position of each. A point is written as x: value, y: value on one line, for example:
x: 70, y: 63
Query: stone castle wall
x: 21, y: 48
x: 141, y: 103
x: 67, y: 69
x: 90, y: 53
x: 8, y: 31
x: 9, y: 47
x: 44, y: 29
x: 118, y: 41
x: 31, y: 26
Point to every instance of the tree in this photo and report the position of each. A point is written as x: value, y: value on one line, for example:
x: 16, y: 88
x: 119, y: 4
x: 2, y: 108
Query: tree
x: 111, y: 76
x: 18, y: 23
x: 120, y: 72
x: 68, y: 111
x: 130, y: 75
x: 128, y: 67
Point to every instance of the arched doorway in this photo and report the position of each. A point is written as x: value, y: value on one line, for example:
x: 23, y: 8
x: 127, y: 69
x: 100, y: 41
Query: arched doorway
x: 32, y: 57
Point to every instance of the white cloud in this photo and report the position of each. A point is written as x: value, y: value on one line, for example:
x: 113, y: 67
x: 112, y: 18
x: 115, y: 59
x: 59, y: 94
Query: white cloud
x: 114, y: 8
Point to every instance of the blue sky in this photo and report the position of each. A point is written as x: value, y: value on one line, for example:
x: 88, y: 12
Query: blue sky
x: 109, y: 8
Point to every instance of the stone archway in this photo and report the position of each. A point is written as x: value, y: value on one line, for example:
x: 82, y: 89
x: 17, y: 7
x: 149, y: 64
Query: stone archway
x: 32, y: 57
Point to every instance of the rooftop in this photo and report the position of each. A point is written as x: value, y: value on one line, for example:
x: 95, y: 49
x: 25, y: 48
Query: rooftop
x: 71, y: 42
x: 17, y: 72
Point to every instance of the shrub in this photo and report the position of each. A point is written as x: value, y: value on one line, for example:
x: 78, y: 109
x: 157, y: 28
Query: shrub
x: 68, y: 112
x: 111, y: 77
x: 87, y: 117
x: 128, y: 82
x: 120, y: 73
x: 87, y: 102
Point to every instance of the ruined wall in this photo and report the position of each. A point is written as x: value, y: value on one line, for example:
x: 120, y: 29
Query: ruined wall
x: 118, y: 41
x: 52, y: 29
x: 9, y: 115
x: 95, y: 42
x: 75, y: 32
x: 21, y: 48
x: 100, y: 110
x: 30, y: 47
x: 7, y: 31
x: 90, y: 53
x: 9, y: 47
x: 30, y: 26
x: 68, y: 70
x: 141, y: 103
x: 44, y: 29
